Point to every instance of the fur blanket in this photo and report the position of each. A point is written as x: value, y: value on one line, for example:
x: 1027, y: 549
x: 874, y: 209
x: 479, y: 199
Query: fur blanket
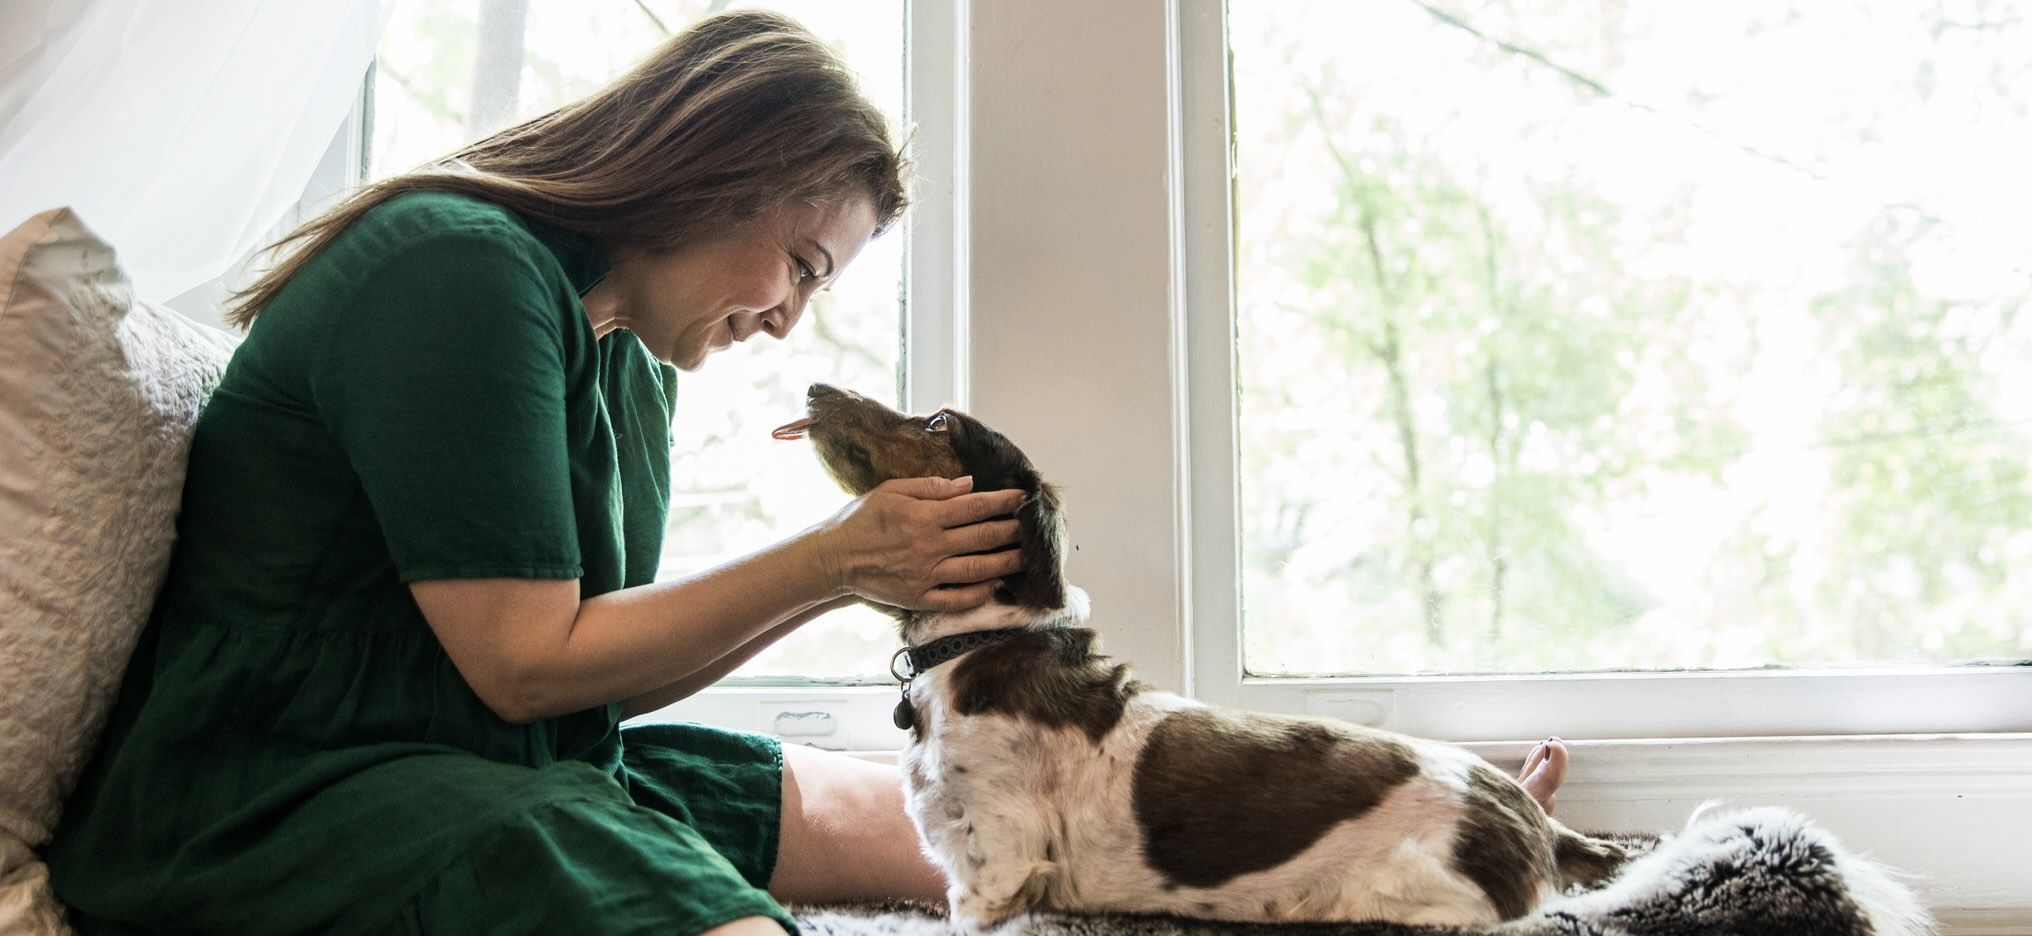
x: 1763, y: 871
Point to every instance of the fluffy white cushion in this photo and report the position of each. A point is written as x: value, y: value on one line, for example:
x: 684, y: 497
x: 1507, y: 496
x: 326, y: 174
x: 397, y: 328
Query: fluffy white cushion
x: 98, y: 393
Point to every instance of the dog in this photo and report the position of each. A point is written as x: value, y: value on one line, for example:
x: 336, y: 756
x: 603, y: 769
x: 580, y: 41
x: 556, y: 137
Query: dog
x: 1042, y: 776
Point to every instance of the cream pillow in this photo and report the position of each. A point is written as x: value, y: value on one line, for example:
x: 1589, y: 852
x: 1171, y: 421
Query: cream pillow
x: 98, y: 394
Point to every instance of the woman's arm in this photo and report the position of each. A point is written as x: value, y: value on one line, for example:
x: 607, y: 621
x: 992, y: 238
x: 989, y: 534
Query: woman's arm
x: 718, y: 669
x: 532, y: 650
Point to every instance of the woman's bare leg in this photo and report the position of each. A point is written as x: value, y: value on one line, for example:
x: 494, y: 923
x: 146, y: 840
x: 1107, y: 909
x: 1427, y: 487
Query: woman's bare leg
x: 845, y: 835
x: 747, y: 926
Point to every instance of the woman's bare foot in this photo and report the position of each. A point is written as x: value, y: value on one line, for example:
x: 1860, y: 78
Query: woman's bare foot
x: 1544, y: 770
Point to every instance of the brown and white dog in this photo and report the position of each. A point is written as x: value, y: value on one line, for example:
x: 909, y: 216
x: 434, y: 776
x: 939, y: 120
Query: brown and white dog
x: 1043, y: 777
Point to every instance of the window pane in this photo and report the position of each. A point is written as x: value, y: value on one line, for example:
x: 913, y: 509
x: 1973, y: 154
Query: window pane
x: 442, y: 80
x: 1646, y: 335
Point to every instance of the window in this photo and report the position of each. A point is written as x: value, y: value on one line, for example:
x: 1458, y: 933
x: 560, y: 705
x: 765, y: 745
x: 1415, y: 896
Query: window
x: 451, y: 71
x: 1748, y: 275
x: 1631, y: 338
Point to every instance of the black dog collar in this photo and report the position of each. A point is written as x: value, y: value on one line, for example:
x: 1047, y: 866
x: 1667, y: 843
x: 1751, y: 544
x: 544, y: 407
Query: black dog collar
x: 912, y: 662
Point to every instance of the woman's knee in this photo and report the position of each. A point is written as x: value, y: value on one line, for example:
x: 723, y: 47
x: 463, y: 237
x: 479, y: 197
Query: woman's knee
x: 845, y: 834
x: 840, y: 793
x: 747, y: 926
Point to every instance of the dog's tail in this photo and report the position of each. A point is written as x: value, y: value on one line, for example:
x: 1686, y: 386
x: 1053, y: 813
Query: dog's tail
x: 1584, y: 860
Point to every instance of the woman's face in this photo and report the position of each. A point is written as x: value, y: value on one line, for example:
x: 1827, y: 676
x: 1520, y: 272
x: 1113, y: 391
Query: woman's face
x: 688, y: 303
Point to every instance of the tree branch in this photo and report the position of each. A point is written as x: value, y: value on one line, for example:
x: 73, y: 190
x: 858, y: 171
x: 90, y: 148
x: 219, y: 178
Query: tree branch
x: 653, y: 18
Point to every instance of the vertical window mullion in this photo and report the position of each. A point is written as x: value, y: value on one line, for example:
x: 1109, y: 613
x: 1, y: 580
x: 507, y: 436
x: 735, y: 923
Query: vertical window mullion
x: 935, y: 263
x: 1213, y: 599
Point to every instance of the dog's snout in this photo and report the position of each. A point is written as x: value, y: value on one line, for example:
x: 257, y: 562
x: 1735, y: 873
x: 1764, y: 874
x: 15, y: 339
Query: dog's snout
x: 819, y: 390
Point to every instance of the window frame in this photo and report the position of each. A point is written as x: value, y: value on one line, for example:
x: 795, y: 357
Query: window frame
x: 1636, y: 704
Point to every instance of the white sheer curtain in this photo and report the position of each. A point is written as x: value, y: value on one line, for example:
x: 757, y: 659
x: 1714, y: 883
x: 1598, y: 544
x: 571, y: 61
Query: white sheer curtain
x: 180, y: 130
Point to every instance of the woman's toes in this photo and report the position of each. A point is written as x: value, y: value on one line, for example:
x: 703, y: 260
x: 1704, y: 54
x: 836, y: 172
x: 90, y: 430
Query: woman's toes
x: 1544, y: 770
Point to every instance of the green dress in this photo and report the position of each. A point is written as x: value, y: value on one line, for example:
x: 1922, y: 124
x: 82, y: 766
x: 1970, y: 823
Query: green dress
x: 292, y: 751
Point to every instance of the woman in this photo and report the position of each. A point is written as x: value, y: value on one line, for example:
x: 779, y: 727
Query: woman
x: 413, y: 593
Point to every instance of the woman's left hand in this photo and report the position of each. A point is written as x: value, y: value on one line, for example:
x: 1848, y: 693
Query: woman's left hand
x: 924, y: 544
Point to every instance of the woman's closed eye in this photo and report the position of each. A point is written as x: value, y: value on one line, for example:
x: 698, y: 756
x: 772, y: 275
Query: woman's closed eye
x: 804, y: 270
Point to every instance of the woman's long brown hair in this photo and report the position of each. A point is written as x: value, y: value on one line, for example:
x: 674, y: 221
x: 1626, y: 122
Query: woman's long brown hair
x: 739, y: 113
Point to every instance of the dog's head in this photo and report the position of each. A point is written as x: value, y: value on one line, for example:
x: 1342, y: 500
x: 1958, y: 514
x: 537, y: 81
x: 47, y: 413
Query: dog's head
x: 863, y: 443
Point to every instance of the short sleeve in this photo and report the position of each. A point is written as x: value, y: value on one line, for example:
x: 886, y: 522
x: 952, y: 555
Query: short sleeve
x: 445, y: 384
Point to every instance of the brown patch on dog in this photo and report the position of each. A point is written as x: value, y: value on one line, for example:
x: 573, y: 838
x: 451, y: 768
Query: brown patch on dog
x: 1051, y: 677
x: 1219, y: 794
x: 862, y: 443
x: 1504, y: 842
x: 918, y: 778
x: 1584, y: 860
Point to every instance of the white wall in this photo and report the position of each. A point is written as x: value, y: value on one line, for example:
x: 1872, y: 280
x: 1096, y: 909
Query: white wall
x: 1071, y: 285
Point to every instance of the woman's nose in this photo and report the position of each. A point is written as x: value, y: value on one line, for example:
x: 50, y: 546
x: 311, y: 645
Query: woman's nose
x: 779, y: 321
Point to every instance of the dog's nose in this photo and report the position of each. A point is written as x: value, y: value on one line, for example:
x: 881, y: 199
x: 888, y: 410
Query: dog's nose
x: 820, y: 390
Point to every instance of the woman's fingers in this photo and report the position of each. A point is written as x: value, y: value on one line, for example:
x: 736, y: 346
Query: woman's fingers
x: 961, y: 598
x: 927, y: 488
x: 984, y: 536
x: 979, y: 568
x: 910, y: 536
x: 974, y: 508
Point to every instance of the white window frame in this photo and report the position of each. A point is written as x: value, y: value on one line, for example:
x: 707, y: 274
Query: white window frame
x: 1757, y: 703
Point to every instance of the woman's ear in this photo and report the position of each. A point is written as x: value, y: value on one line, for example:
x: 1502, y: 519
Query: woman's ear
x: 1041, y: 584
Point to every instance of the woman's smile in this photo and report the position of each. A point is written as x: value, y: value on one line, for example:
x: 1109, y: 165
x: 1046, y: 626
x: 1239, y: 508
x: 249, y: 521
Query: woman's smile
x: 689, y: 303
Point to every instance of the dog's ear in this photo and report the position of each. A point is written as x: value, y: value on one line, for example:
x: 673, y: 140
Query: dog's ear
x: 997, y: 464
x: 1041, y: 584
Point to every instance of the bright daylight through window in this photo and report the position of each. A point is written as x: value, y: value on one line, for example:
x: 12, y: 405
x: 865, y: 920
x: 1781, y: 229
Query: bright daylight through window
x: 1654, y: 335
x: 451, y: 71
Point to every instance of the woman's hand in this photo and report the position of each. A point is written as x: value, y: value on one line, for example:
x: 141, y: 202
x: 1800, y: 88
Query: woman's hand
x: 923, y: 544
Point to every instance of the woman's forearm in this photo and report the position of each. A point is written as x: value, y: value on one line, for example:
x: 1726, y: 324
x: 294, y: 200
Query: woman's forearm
x: 630, y: 643
x: 533, y: 649
x: 718, y: 669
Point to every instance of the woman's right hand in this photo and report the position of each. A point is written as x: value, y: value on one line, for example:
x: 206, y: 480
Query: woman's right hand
x: 923, y: 544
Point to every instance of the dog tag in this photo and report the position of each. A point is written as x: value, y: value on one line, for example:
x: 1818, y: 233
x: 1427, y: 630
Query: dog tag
x: 905, y: 716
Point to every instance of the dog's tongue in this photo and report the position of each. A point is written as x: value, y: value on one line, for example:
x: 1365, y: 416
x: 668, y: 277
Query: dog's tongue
x: 791, y: 432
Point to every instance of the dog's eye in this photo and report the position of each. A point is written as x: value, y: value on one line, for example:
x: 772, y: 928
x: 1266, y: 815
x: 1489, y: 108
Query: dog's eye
x: 936, y: 423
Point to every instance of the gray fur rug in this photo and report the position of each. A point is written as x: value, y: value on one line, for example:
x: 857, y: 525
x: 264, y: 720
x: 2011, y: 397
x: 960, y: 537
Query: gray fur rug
x: 1763, y: 871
